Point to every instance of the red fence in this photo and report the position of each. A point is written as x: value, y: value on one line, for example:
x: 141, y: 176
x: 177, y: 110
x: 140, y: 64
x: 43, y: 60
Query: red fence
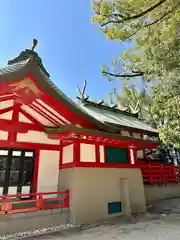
x: 160, y: 173
x: 21, y: 203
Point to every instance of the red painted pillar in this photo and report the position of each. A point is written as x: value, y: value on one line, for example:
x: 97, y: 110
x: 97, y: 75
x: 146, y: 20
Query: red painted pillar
x: 61, y: 156
x: 76, y: 153
x: 97, y: 150
x: 15, y: 118
x: 36, y: 171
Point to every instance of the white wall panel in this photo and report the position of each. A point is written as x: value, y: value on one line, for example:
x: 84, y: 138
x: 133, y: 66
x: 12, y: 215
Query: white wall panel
x: 35, y: 137
x: 101, y: 149
x: 87, y: 153
x: 3, y: 135
x: 68, y: 154
x: 48, y: 171
x: 6, y: 104
x: 7, y: 115
x: 23, y: 119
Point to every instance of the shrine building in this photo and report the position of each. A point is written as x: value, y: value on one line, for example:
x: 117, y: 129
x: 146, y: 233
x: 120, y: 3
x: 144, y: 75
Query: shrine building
x: 49, y: 143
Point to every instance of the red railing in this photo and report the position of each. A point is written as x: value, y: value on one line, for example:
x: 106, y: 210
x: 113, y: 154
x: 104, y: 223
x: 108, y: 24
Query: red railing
x: 160, y: 173
x: 21, y: 203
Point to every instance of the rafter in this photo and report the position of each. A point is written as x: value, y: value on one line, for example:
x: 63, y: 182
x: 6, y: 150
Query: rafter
x: 51, y: 113
x: 44, y: 115
x: 31, y: 118
x: 6, y: 97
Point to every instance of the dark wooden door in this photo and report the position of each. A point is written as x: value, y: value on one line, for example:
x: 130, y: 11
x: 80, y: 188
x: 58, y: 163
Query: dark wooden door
x: 16, y: 171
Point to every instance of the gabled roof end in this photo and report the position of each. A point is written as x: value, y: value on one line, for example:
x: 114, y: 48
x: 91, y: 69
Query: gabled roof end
x: 30, y: 54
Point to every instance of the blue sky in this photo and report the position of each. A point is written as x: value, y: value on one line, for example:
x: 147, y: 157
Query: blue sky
x: 71, y: 47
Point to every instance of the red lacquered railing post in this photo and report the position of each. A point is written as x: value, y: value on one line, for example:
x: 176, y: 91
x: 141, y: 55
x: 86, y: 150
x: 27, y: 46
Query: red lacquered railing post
x: 163, y: 174
x: 39, y: 202
x: 66, y: 200
x: 150, y: 174
x: 6, y: 206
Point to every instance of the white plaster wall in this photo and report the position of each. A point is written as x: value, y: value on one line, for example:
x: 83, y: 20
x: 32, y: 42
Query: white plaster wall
x: 161, y: 192
x: 92, y: 188
x: 68, y: 154
x: 48, y: 171
x: 6, y: 104
x: 7, y: 115
x: 87, y: 153
x: 3, y: 135
x: 23, y: 119
x: 101, y: 150
x: 35, y: 137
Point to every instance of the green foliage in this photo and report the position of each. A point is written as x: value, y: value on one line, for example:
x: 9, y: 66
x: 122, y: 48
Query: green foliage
x: 165, y: 108
x: 152, y: 27
x: 154, y: 34
x: 135, y: 101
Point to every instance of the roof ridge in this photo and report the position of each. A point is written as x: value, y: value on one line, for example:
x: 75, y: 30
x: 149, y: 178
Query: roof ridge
x: 105, y: 107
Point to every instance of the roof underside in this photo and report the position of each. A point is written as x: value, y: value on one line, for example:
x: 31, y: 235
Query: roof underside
x: 93, y: 135
x: 101, y: 118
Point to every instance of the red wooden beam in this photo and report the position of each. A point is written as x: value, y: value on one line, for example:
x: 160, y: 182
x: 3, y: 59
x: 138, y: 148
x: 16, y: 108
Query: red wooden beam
x: 28, y: 145
x: 4, y: 110
x: 31, y: 118
x: 38, y: 110
x: 61, y: 109
x: 13, y: 134
x: 5, y: 98
x: 9, y: 125
x: 52, y: 113
x: 103, y: 140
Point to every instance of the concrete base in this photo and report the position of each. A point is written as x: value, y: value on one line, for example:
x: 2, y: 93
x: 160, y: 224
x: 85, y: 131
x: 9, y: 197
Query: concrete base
x: 10, y: 224
x: 161, y: 192
x: 91, y: 189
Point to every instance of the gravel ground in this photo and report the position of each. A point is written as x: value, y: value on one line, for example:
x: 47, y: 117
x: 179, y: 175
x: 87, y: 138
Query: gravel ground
x: 162, y: 222
x: 165, y: 228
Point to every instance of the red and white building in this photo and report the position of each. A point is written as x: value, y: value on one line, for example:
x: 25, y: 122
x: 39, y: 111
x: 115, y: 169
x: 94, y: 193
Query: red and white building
x: 48, y: 142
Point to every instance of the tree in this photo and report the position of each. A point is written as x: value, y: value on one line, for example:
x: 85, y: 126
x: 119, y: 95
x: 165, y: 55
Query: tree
x: 134, y: 100
x: 152, y: 29
x: 151, y: 25
x: 166, y: 109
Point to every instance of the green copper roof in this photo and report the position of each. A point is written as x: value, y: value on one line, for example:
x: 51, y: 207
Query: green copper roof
x: 14, y: 67
x: 25, y: 55
x: 106, y: 114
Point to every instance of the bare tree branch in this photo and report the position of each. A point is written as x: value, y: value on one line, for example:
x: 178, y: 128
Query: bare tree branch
x: 125, y: 19
x: 133, y: 74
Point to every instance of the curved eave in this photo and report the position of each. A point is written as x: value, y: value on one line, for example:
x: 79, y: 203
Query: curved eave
x: 21, y: 69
